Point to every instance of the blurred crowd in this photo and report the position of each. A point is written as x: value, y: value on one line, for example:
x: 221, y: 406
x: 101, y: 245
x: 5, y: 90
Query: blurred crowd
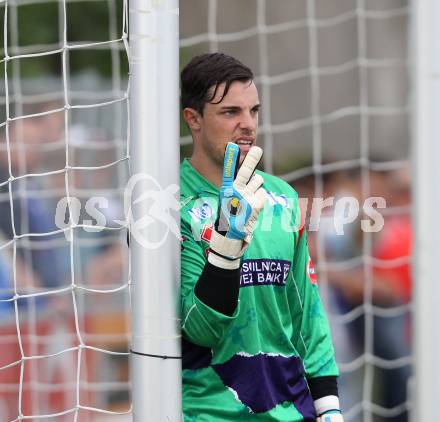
x: 32, y: 182
x: 39, y: 264
x: 366, y: 282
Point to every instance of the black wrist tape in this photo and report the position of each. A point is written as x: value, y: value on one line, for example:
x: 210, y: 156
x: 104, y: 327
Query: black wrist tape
x: 218, y: 288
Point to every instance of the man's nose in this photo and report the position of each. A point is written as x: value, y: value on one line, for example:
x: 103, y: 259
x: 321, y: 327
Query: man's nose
x: 248, y: 122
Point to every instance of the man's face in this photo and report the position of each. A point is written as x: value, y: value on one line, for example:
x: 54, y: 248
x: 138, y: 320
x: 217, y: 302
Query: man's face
x: 235, y: 119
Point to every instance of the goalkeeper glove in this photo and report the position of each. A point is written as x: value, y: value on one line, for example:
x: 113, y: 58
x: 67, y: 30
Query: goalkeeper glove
x: 327, y: 409
x: 331, y: 416
x: 241, y: 200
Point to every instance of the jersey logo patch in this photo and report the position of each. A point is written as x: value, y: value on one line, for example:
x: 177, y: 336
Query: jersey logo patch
x: 310, y: 271
x: 263, y: 272
x: 207, y: 233
x: 201, y: 213
x: 275, y: 199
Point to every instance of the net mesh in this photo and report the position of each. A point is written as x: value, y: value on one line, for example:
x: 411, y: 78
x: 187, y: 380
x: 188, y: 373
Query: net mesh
x: 332, y: 79
x: 64, y: 281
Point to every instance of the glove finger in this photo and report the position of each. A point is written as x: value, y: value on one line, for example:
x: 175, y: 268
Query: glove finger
x: 248, y: 167
x: 259, y: 199
x: 255, y: 183
x: 230, y: 163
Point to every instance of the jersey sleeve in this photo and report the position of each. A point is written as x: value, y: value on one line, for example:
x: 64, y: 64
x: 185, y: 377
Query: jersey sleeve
x: 201, y: 324
x: 312, y: 337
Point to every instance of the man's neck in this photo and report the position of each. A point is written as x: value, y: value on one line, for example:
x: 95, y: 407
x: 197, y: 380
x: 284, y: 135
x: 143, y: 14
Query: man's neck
x: 208, y: 169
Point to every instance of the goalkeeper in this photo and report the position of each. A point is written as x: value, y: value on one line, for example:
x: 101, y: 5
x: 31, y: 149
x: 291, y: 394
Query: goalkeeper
x: 256, y: 341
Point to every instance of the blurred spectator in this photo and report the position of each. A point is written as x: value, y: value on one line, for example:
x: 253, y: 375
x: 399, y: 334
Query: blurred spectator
x: 392, y: 253
x: 339, y: 249
x: 37, y: 264
x: 389, y: 281
x: 394, y: 242
x: 106, y: 268
x: 100, y: 256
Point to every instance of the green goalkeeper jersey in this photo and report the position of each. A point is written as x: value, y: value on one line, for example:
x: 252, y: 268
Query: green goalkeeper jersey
x: 253, y: 365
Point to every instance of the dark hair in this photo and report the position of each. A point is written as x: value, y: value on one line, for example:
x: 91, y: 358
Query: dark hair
x: 206, y: 71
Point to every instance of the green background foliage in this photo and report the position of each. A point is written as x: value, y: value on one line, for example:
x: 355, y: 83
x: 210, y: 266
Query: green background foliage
x: 39, y: 27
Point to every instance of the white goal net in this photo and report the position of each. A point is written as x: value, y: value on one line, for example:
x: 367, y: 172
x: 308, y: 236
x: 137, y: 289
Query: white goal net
x: 64, y: 284
x: 333, y: 83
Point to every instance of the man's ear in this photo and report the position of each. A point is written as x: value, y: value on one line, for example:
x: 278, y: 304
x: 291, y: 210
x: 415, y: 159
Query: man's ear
x: 192, y: 118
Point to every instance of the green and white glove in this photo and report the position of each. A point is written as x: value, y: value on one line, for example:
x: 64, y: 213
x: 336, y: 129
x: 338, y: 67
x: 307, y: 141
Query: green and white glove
x: 241, y: 200
x: 328, y: 410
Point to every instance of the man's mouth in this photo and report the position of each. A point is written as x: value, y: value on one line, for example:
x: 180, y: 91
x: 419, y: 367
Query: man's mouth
x: 242, y: 141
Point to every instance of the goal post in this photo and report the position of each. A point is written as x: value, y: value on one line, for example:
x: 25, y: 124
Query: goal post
x: 426, y: 149
x: 155, y: 250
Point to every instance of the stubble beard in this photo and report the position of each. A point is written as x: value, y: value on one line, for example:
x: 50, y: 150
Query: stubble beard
x: 216, y: 154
